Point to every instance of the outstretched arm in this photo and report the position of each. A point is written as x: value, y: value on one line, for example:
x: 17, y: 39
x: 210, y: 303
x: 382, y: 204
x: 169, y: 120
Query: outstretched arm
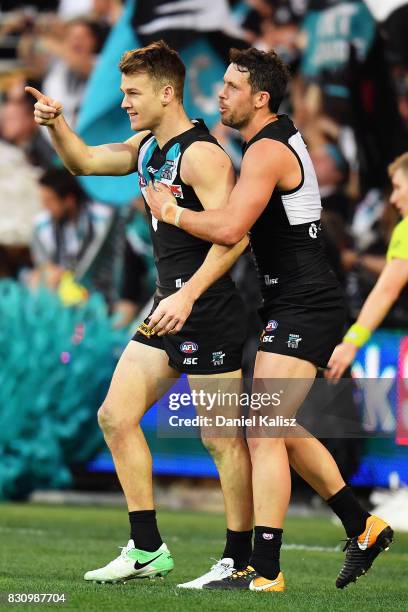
x: 79, y: 158
x: 393, y: 279
x: 208, y: 169
x: 263, y: 164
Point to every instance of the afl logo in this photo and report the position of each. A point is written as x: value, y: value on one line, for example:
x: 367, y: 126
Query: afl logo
x: 271, y: 325
x: 313, y: 230
x: 188, y: 347
x: 142, y: 181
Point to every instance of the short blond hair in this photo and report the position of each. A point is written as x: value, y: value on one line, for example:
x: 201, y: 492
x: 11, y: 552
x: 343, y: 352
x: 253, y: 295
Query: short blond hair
x: 400, y: 163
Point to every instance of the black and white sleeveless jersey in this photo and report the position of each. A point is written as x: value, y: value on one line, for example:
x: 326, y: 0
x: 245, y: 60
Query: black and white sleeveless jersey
x: 285, y: 239
x: 177, y: 254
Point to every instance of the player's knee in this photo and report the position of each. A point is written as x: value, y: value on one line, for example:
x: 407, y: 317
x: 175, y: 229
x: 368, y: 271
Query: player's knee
x: 111, y: 424
x: 220, y: 447
x: 105, y: 419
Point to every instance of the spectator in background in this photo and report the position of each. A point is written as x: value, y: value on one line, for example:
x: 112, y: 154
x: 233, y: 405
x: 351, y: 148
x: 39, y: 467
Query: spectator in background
x: 332, y: 175
x: 19, y: 204
x: 17, y: 127
x: 74, y: 235
x: 278, y: 29
x: 72, y: 63
x: 70, y: 50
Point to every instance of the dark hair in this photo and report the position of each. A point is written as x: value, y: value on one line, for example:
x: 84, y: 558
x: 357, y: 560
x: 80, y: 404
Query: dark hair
x: 63, y: 183
x: 160, y: 62
x: 267, y: 72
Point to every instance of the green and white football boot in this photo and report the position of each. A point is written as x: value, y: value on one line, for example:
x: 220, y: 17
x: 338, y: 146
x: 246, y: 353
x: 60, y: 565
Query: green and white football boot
x: 134, y: 563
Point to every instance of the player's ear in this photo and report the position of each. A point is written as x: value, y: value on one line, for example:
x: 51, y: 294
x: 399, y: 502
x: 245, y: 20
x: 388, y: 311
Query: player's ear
x: 167, y: 94
x: 262, y: 99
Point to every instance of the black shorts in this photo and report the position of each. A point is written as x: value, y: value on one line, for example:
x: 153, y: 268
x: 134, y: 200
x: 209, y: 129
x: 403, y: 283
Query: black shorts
x: 307, y: 322
x: 212, y: 338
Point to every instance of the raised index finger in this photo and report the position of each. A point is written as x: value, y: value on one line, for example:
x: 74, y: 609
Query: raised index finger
x: 36, y: 93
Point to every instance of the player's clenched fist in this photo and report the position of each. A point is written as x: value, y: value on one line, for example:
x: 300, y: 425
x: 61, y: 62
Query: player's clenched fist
x: 46, y: 110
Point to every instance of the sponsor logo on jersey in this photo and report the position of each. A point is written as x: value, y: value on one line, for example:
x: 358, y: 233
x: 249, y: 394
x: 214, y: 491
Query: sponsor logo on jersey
x: 152, y: 170
x: 218, y: 358
x: 293, y: 341
x: 313, y: 229
x: 188, y: 347
x: 190, y: 361
x: 177, y: 191
x: 267, y: 338
x: 271, y: 325
x: 270, y: 281
x: 142, y: 181
x: 179, y: 283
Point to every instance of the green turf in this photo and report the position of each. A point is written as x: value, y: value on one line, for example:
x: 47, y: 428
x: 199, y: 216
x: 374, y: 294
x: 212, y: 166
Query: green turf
x: 47, y: 549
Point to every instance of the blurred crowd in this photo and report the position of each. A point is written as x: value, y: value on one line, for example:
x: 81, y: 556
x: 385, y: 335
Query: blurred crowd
x: 348, y: 97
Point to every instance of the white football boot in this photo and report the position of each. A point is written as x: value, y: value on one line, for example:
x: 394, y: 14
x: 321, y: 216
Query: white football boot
x: 220, y: 570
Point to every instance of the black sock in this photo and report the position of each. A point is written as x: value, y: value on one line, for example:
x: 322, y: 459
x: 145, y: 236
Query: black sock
x: 350, y: 511
x: 144, y: 531
x: 265, y: 556
x: 238, y: 547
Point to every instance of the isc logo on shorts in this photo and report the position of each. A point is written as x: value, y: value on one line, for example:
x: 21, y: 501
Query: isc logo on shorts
x: 267, y: 338
x: 268, y: 280
x: 188, y: 347
x: 190, y: 361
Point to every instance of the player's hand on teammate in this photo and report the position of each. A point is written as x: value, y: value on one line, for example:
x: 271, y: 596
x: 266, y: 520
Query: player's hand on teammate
x: 161, y: 201
x: 171, y: 314
x: 342, y: 357
x: 46, y: 110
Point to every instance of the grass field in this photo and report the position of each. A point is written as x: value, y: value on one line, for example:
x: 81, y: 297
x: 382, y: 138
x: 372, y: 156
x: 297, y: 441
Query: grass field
x: 47, y: 549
